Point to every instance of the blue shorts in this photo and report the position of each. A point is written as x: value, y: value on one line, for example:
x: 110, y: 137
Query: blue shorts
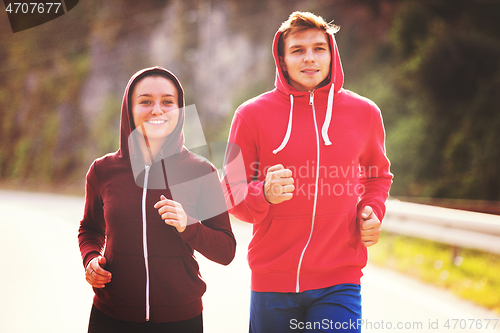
x: 331, y: 309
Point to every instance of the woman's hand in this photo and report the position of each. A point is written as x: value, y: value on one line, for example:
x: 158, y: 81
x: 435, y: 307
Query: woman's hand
x: 172, y: 213
x: 95, y: 274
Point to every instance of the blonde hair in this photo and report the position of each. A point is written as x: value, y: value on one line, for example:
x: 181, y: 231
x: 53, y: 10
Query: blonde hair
x: 298, y: 21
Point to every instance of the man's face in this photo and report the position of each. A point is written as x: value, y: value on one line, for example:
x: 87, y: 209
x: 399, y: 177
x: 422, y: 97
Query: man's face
x: 306, y: 59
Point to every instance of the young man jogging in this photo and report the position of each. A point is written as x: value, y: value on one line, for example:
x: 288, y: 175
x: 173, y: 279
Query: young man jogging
x: 316, y: 181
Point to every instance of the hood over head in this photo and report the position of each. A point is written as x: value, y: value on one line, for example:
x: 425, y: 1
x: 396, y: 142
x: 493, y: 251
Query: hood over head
x: 336, y: 76
x: 129, y: 147
x: 333, y: 87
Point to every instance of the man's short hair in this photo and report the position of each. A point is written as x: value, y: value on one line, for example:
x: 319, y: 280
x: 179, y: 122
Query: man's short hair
x: 299, y: 21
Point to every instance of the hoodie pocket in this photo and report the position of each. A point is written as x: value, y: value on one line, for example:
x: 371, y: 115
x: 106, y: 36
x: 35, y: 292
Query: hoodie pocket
x: 128, y: 282
x: 279, y: 247
x: 335, y: 243
x: 175, y: 281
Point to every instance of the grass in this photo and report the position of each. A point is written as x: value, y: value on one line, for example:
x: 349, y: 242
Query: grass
x: 470, y: 274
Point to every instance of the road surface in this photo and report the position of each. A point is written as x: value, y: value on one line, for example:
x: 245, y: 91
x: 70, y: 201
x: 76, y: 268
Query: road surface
x: 43, y: 288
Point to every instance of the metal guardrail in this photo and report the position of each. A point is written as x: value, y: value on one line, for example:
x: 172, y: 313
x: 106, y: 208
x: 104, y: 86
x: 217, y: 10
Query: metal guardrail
x: 459, y: 228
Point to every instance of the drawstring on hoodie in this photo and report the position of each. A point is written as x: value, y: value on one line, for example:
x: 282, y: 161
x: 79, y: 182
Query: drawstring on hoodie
x: 288, y: 129
x: 328, y: 118
x: 326, y: 124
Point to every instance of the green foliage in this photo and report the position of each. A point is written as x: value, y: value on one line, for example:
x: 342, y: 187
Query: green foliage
x: 410, y: 28
x: 42, y: 71
x: 448, y: 71
x: 21, y: 155
x: 472, y: 274
x: 106, y: 132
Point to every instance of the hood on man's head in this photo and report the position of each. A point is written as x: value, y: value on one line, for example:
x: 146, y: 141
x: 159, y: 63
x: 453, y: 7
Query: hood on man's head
x: 336, y: 71
x: 332, y: 88
x: 128, y: 139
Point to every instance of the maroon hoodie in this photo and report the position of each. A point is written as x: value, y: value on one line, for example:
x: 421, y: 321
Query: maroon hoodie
x: 154, y: 272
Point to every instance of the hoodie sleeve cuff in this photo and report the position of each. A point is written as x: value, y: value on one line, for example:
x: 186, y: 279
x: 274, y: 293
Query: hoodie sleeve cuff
x: 256, y: 198
x: 377, y: 210
x: 89, y: 257
x: 191, y: 229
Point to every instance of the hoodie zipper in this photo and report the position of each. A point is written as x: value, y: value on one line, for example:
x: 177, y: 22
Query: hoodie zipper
x: 311, y: 102
x: 145, y: 238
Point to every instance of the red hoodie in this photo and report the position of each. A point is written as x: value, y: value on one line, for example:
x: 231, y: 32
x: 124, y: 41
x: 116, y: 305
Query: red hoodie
x: 333, y: 141
x: 154, y: 272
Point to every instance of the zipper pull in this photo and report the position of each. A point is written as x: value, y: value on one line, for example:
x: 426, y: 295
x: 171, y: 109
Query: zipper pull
x: 311, y: 98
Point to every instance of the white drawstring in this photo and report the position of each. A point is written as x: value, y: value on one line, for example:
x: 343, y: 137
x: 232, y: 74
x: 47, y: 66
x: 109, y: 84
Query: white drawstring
x: 288, y: 130
x: 328, y: 118
x: 324, y: 129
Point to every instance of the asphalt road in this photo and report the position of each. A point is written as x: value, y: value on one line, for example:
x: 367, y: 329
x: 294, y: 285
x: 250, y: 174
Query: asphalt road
x: 43, y: 289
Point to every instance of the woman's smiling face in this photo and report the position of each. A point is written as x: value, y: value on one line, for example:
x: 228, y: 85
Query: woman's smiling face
x: 155, y: 107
